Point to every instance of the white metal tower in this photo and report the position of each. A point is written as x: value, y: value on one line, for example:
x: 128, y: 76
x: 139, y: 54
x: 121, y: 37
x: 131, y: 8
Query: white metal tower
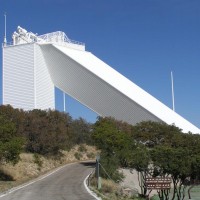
x: 33, y: 65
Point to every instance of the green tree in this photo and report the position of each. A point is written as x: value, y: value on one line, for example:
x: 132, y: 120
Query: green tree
x: 47, y: 132
x: 81, y: 130
x: 194, y: 178
x: 153, y: 133
x: 140, y: 160
x: 16, y: 116
x: 10, y: 144
x: 173, y: 162
x: 115, y: 145
x: 169, y: 153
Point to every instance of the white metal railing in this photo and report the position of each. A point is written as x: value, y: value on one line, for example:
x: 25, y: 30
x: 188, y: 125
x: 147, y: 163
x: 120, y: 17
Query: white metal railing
x: 57, y: 37
x: 22, y: 37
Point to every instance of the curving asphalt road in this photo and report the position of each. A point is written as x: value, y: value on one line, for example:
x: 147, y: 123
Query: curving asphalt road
x: 64, y: 184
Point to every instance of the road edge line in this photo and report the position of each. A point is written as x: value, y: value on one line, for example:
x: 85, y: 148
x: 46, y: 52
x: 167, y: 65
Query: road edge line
x: 88, y: 189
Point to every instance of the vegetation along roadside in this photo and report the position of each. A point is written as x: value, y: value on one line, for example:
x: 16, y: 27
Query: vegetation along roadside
x: 48, y: 139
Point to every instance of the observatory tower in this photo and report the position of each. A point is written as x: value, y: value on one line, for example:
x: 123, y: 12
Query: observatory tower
x: 33, y: 65
x: 26, y: 81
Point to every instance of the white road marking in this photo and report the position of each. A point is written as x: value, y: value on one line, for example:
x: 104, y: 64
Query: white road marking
x: 89, y: 191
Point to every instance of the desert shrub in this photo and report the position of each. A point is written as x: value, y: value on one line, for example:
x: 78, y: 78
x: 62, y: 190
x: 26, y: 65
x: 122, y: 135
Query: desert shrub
x: 82, y: 131
x: 78, y: 156
x: 38, y: 160
x: 82, y: 148
x: 47, y: 132
x: 91, y: 155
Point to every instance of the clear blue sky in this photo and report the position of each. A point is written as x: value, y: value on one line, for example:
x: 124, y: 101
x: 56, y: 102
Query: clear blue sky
x: 142, y: 39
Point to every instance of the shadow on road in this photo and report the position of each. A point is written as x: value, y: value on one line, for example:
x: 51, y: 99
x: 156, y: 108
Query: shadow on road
x: 90, y: 164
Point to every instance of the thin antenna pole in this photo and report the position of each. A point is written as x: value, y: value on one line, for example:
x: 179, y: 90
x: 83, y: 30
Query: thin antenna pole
x: 64, y: 101
x: 5, y: 41
x: 172, y: 91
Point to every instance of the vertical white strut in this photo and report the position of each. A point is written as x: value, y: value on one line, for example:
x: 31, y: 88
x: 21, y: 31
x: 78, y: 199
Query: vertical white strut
x: 5, y: 41
x: 172, y: 91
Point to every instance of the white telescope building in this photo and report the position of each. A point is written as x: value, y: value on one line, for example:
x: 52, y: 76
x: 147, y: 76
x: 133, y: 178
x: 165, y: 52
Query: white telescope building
x: 33, y: 65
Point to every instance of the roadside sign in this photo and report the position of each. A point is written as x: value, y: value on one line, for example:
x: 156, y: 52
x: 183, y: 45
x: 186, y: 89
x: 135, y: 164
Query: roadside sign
x: 158, y: 183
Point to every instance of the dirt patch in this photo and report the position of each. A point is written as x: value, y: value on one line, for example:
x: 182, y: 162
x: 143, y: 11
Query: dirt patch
x: 131, y: 181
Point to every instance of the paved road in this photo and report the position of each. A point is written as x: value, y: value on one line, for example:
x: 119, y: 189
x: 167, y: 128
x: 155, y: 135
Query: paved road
x: 65, y: 184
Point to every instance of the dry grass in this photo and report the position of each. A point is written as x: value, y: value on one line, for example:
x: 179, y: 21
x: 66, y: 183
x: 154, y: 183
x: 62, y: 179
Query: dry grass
x: 111, y: 190
x: 108, y: 186
x: 31, y: 166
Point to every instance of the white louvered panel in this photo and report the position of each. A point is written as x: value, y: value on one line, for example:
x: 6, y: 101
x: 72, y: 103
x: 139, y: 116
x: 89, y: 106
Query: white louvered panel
x: 18, y: 76
x: 90, y: 90
x: 102, y: 89
x: 26, y: 80
x: 44, y: 94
